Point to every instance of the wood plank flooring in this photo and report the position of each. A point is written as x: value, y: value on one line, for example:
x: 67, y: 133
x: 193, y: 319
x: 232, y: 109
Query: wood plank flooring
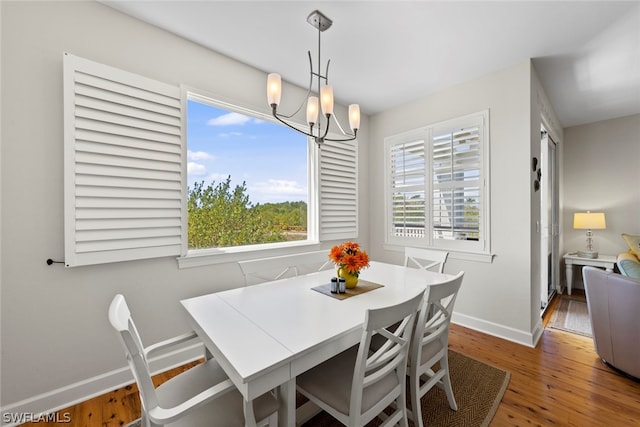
x: 560, y: 382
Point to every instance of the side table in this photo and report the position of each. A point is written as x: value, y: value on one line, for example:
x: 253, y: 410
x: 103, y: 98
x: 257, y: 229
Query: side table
x: 570, y: 259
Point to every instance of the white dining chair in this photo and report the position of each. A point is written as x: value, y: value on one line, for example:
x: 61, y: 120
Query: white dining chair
x: 262, y: 270
x: 430, y: 345
x: 358, y: 384
x: 426, y: 259
x: 201, y: 396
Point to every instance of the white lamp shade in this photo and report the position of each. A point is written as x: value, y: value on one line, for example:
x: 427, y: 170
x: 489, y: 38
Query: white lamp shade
x: 354, y: 116
x: 589, y: 221
x: 312, y: 109
x: 326, y: 99
x: 274, y: 88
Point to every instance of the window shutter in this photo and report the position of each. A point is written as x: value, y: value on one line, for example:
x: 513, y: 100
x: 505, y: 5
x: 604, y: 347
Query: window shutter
x: 338, y: 190
x: 407, y: 181
x: 436, y: 185
x: 456, y: 195
x: 123, y: 165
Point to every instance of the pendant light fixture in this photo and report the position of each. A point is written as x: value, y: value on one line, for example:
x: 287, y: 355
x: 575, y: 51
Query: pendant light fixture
x: 322, y: 99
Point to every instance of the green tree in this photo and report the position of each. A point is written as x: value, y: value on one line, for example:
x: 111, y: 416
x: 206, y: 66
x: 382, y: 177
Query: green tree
x: 221, y: 216
x: 288, y: 216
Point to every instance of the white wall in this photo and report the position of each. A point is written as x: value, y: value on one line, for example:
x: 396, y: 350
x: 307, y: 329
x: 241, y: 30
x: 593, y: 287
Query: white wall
x: 601, y: 173
x: 495, y: 297
x: 55, y: 332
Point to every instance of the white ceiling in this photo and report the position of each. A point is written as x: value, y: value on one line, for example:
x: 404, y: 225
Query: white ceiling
x: 386, y: 53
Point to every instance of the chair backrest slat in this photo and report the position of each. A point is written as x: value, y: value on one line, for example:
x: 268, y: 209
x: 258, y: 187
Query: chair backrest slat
x: 273, y: 268
x: 426, y: 259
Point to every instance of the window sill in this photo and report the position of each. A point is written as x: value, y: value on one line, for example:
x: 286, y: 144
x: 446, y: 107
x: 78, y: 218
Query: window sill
x: 461, y: 255
x: 204, y: 257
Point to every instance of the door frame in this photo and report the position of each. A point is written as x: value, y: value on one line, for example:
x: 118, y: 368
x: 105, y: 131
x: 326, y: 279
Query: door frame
x: 549, y: 218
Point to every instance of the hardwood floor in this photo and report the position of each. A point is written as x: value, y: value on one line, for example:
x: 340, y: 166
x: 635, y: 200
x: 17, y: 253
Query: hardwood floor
x: 560, y: 382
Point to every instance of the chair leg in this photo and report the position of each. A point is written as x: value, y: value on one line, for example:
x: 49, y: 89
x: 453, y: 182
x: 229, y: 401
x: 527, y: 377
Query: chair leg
x: 249, y: 416
x: 414, y: 390
x: 414, y: 396
x: 446, y: 381
x: 273, y: 420
x: 402, y: 406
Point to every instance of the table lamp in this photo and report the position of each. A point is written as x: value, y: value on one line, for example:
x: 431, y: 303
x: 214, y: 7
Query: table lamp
x: 589, y: 221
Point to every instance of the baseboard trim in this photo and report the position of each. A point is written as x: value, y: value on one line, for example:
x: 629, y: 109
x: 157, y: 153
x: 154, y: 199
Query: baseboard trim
x: 495, y: 329
x: 537, y: 333
x: 89, y: 388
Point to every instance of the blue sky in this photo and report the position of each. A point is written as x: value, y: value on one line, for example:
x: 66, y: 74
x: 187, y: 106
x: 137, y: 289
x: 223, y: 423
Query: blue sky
x: 271, y: 158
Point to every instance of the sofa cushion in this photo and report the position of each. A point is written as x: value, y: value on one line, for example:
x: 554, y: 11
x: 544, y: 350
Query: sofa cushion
x: 629, y: 264
x: 633, y: 242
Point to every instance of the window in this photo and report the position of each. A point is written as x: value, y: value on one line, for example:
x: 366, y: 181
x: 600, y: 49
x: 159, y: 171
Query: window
x: 126, y: 175
x: 292, y: 189
x: 248, y: 178
x: 407, y: 186
x: 436, y: 185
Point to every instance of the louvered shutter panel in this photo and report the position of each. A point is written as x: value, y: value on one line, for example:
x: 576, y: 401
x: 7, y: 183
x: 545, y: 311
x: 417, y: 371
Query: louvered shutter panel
x: 407, y: 181
x: 456, y: 183
x: 123, y: 165
x: 338, y: 190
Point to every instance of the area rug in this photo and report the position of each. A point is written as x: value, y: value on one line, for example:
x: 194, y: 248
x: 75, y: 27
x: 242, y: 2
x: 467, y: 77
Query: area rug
x: 572, y: 316
x: 477, y: 387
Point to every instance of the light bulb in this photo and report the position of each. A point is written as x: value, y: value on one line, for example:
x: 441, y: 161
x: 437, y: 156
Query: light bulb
x: 274, y: 89
x: 312, y: 110
x: 326, y: 99
x: 354, y: 116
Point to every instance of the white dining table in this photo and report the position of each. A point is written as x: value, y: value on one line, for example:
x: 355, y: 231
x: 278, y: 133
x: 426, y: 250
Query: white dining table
x: 265, y: 335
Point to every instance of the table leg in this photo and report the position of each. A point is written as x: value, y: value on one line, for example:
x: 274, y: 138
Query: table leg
x: 569, y: 270
x: 287, y: 411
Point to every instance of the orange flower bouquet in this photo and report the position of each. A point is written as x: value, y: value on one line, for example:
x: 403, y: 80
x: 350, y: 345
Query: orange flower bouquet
x: 350, y: 259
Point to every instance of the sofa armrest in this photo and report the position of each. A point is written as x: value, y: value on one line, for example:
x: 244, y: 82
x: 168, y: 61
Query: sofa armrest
x: 629, y: 264
x: 613, y: 301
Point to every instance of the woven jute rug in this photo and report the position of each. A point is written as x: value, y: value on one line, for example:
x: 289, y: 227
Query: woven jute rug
x: 572, y: 316
x: 477, y: 387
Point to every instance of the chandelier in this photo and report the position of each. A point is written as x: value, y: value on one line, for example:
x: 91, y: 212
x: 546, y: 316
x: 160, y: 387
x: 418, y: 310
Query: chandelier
x: 318, y: 125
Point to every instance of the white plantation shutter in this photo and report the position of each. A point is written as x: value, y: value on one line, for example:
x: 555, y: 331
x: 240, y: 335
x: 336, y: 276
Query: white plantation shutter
x: 338, y: 190
x: 456, y: 173
x: 407, y: 188
x: 437, y: 190
x: 123, y: 165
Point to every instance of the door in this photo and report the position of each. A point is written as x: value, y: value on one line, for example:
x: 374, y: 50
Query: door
x: 549, y: 219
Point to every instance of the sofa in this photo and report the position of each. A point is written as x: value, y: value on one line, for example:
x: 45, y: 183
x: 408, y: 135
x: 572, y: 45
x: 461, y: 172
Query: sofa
x: 613, y: 300
x: 628, y: 263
